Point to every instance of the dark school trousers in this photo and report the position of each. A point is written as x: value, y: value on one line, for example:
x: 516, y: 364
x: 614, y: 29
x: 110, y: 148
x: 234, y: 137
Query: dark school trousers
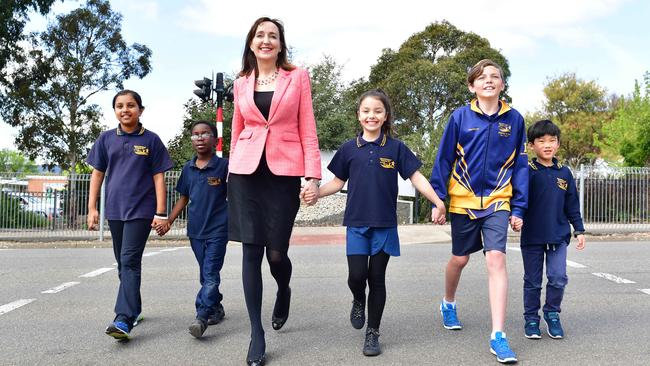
x: 534, y: 257
x: 210, y: 254
x: 129, y: 239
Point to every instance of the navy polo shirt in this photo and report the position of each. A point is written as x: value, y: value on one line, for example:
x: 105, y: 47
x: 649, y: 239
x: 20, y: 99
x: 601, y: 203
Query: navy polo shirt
x: 371, y: 171
x: 129, y: 161
x: 553, y: 203
x: 207, y: 215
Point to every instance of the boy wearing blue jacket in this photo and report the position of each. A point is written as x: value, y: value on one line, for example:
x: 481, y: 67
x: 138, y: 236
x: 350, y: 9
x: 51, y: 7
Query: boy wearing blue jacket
x: 482, y: 166
x: 552, y: 203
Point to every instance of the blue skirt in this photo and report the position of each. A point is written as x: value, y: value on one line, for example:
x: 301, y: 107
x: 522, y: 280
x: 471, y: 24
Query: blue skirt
x: 363, y: 240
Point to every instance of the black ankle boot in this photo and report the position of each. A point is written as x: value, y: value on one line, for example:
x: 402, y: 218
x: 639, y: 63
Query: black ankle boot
x: 358, y: 314
x: 277, y: 322
x: 371, y: 345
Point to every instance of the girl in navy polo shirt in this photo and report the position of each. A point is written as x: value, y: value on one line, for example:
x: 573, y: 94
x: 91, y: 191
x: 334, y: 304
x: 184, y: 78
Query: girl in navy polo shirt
x: 133, y: 160
x: 370, y: 163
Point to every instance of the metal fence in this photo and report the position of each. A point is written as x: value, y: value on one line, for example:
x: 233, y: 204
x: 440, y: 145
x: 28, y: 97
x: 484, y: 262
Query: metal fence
x: 610, y: 199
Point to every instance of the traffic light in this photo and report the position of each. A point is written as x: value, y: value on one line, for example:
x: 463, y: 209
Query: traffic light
x: 205, y: 91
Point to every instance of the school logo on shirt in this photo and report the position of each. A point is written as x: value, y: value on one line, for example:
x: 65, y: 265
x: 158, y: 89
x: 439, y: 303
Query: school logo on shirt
x: 214, y: 181
x: 387, y: 163
x: 562, y: 184
x: 472, y: 129
x: 141, y: 150
x: 504, y: 129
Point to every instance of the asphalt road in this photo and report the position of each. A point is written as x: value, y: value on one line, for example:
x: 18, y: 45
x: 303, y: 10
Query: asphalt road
x: 606, y: 318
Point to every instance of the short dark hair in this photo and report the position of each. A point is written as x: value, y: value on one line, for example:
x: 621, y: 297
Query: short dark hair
x: 132, y: 93
x: 249, y: 61
x: 380, y: 95
x: 213, y: 128
x: 541, y: 129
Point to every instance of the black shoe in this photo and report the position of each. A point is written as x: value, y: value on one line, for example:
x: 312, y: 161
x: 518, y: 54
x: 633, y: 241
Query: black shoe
x: 218, y: 315
x: 358, y: 314
x: 255, y: 360
x: 276, y: 321
x: 197, y: 327
x: 371, y: 345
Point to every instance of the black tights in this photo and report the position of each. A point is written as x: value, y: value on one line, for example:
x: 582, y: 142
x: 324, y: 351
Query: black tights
x: 252, y: 278
x: 372, y: 269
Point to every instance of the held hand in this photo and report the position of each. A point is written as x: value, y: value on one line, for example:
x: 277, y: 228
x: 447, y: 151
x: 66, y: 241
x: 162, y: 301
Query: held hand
x: 438, y: 214
x: 581, y: 242
x: 93, y: 220
x: 309, y: 193
x: 157, y: 224
x: 516, y: 223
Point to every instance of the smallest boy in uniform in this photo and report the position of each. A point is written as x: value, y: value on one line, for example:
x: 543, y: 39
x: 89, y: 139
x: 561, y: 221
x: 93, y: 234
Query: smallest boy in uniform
x: 552, y: 204
x: 202, y: 184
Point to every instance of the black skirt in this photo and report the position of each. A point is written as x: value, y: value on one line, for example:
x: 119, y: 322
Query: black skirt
x: 262, y: 207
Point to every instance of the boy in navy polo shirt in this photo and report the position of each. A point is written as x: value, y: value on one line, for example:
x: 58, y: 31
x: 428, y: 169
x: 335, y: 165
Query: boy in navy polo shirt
x: 370, y: 163
x: 552, y: 203
x: 202, y: 184
x: 482, y: 166
x: 134, y: 161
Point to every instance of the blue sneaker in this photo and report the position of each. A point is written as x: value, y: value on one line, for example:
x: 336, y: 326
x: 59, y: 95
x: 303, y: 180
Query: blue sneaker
x: 531, y: 330
x: 449, y: 317
x: 553, y: 325
x: 118, y: 330
x: 499, y: 347
x: 138, y: 319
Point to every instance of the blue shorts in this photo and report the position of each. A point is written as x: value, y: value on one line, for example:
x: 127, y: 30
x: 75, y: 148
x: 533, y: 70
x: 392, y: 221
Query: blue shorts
x: 487, y: 233
x: 363, y: 240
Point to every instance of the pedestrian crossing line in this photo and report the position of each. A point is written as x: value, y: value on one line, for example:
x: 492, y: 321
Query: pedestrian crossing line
x: 645, y: 290
x: 575, y: 264
x: 60, y: 287
x: 96, y: 272
x: 516, y: 249
x: 150, y: 254
x: 612, y: 277
x: 4, y: 309
x: 170, y: 249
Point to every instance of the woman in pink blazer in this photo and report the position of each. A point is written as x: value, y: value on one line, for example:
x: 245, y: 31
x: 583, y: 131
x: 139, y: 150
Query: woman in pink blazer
x: 273, y: 144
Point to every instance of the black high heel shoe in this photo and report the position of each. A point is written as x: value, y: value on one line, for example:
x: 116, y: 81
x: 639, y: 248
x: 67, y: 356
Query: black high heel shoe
x: 255, y: 361
x: 278, y: 322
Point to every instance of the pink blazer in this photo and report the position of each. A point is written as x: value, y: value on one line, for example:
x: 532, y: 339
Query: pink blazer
x: 289, y: 136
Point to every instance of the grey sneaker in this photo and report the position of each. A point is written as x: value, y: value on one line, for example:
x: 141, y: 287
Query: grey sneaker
x: 357, y: 315
x: 197, y: 327
x: 371, y: 345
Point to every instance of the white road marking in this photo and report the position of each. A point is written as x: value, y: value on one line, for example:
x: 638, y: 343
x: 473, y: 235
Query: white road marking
x: 170, y: 249
x: 645, y: 290
x: 96, y: 272
x: 612, y: 278
x: 4, y: 309
x: 517, y: 249
x: 60, y: 287
x: 150, y: 254
x: 575, y: 264
x: 115, y: 264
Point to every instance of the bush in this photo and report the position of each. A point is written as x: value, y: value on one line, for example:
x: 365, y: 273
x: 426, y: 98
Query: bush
x: 12, y: 215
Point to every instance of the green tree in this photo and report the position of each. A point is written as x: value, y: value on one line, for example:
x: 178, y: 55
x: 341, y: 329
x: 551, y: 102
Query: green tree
x: 579, y: 107
x: 47, y: 97
x: 333, y: 105
x: 628, y: 132
x: 13, y: 16
x: 13, y: 161
x: 426, y: 81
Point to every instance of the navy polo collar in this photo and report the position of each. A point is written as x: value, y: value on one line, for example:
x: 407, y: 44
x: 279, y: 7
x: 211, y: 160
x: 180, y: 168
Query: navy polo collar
x: 556, y: 164
x: 138, y: 131
x: 381, y: 140
x: 211, y: 164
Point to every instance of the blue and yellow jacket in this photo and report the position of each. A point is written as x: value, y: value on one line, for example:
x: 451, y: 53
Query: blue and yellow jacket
x: 486, y: 158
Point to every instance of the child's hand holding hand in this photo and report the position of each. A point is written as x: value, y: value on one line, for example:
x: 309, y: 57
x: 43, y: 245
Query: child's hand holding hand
x: 516, y: 223
x: 438, y: 214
